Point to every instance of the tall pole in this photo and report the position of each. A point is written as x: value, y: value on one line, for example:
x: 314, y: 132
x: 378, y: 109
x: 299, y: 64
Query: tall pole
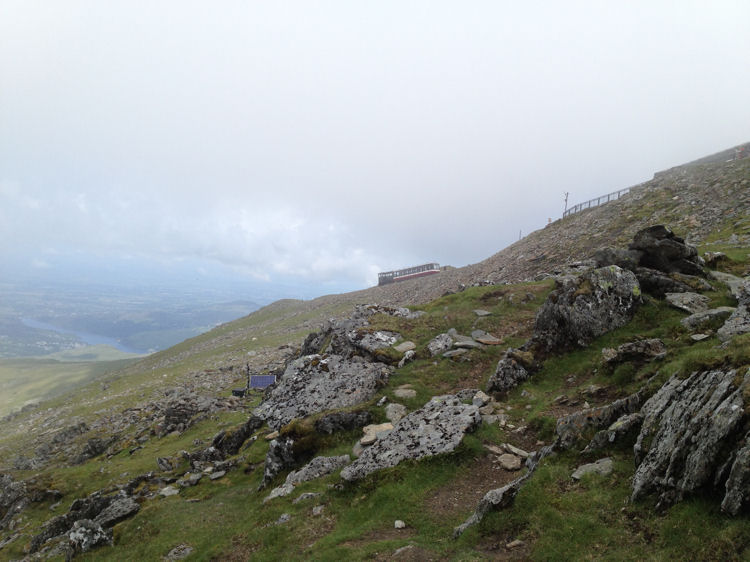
x: 566, y: 202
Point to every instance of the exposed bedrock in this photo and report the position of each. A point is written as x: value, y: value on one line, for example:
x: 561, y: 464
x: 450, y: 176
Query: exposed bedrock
x: 316, y: 383
x: 694, y: 436
x: 438, y: 427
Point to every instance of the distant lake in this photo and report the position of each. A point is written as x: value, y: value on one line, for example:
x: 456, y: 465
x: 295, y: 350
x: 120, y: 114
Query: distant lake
x: 90, y: 339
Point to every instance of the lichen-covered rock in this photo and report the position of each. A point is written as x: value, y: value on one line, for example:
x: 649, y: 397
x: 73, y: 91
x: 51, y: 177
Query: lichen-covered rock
x: 280, y: 456
x: 439, y: 344
x: 438, y: 427
x: 708, y: 317
x: 317, y: 383
x: 691, y: 430
x: 509, y: 373
x: 87, y: 534
x: 624, y: 430
x: 737, y: 487
x: 585, y: 307
x: 13, y: 498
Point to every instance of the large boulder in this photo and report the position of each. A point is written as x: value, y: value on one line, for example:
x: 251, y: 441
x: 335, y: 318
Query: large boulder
x: 438, y: 427
x: 316, y: 383
x: 694, y: 437
x: 661, y: 250
x: 584, y: 307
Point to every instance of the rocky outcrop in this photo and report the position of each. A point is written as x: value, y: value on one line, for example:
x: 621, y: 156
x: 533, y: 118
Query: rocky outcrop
x: 230, y: 441
x: 13, y: 498
x: 316, y: 468
x: 342, y: 421
x: 280, y: 457
x: 708, y: 317
x: 438, y: 427
x: 689, y: 302
x: 585, y: 307
x: 316, y: 383
x: 692, y: 433
x: 103, y: 511
x: 739, y: 321
x: 660, y: 249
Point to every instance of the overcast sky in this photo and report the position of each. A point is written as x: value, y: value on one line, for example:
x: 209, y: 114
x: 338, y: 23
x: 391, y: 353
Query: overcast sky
x: 325, y: 141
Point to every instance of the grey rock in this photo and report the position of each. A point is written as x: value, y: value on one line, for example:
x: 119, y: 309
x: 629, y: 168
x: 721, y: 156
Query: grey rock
x: 732, y: 281
x: 164, y: 464
x: 87, y: 534
x: 509, y: 373
x: 699, y: 337
x: 192, y: 479
x: 467, y: 344
x: 119, y: 509
x: 467, y: 394
x: 342, y: 421
x: 689, y: 431
x: 318, y: 510
x: 408, y: 356
x: 639, y: 352
x: 399, y: 524
x: 708, y: 317
x: 372, y: 341
x: 658, y: 283
x: 509, y: 462
x: 602, y: 466
x: 438, y: 427
x: 739, y: 322
x: 480, y: 399
x: 662, y: 250
x: 218, y: 474
x: 439, y: 344
x: 585, y: 307
x: 13, y: 499
x: 737, y: 494
x: 167, y: 491
x: 689, y: 302
x: 230, y: 442
x: 179, y: 552
x: 394, y: 411
x: 280, y: 456
x: 283, y: 518
x: 317, y: 383
x: 626, y: 259
x: 316, y: 468
x: 624, y: 430
x: 573, y: 428
x: 455, y: 353
x: 404, y: 393
x: 373, y: 432
x: 481, y: 313
x: 306, y: 496
x: 405, y: 346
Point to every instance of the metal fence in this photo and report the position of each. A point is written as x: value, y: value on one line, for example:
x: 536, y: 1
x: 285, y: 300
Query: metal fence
x: 596, y: 202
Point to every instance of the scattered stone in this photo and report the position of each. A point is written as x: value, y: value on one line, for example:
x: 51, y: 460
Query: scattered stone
x: 164, y: 464
x: 306, y: 496
x: 271, y: 436
x: 480, y: 399
x: 481, y: 313
x: 602, y: 466
x: 179, y: 552
x: 382, y: 401
x: 438, y: 427
x: 440, y: 344
x: 167, y: 491
x: 466, y: 344
x: 699, y: 337
x: 284, y: 518
x: 515, y: 450
x: 689, y: 302
x: 487, y: 410
x: 732, y: 281
x: 372, y: 431
x: 404, y: 392
x: 455, y: 353
x: 509, y: 462
x: 405, y: 346
x: 484, y: 338
x: 398, y: 524
x: 515, y: 544
x: 120, y: 508
x: 318, y: 510
x: 408, y: 356
x: 218, y: 474
x: 191, y: 479
x: 394, y: 412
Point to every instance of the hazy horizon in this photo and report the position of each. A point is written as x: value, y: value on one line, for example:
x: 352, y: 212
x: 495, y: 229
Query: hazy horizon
x: 300, y: 149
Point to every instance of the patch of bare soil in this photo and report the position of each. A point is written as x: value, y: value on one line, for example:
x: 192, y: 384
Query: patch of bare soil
x: 460, y: 497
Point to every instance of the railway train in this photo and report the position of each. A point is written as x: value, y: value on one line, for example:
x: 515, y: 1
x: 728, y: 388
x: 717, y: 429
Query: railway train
x: 409, y: 273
